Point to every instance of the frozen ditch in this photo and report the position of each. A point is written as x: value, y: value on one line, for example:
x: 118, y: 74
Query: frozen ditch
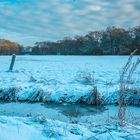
x: 66, y: 112
x: 49, y: 110
x: 43, y: 121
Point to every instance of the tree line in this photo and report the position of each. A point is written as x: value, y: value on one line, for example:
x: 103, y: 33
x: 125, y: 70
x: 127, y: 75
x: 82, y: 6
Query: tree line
x: 112, y: 41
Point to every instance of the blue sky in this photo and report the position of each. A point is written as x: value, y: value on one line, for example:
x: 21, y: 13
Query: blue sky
x: 29, y: 21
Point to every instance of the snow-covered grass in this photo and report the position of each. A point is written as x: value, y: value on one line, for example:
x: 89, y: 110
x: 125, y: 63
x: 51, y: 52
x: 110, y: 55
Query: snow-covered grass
x: 41, y: 128
x: 15, y: 128
x: 61, y: 78
x: 65, y: 79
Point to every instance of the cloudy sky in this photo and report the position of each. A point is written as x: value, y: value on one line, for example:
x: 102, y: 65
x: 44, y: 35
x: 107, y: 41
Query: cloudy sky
x: 29, y: 21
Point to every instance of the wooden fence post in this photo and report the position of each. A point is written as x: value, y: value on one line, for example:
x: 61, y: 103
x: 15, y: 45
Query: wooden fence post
x: 12, y: 62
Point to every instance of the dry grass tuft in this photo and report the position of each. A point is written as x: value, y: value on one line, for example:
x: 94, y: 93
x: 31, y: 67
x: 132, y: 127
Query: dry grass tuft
x: 125, y: 79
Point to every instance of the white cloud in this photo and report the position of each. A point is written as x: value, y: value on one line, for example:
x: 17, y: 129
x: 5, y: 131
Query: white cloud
x: 29, y: 21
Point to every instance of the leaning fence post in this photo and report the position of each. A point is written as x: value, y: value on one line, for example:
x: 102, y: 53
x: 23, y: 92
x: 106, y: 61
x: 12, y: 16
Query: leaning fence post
x: 12, y: 62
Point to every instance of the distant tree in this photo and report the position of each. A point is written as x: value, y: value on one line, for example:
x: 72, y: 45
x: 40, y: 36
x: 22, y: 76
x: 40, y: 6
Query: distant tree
x: 135, y: 35
x: 116, y: 41
x: 7, y: 47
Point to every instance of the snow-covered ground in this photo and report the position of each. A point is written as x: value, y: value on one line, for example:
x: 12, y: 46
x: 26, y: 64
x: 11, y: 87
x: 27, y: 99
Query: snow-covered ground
x: 60, y: 78
x: 63, y: 79
x: 15, y: 128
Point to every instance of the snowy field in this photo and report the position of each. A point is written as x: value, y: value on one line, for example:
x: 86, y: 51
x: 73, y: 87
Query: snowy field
x: 60, y: 78
x: 66, y: 80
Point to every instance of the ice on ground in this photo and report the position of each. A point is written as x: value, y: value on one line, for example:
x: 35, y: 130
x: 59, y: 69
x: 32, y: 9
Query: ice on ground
x: 57, y: 79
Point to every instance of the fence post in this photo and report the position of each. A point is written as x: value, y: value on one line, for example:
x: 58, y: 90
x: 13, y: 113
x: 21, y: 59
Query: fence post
x: 12, y: 62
